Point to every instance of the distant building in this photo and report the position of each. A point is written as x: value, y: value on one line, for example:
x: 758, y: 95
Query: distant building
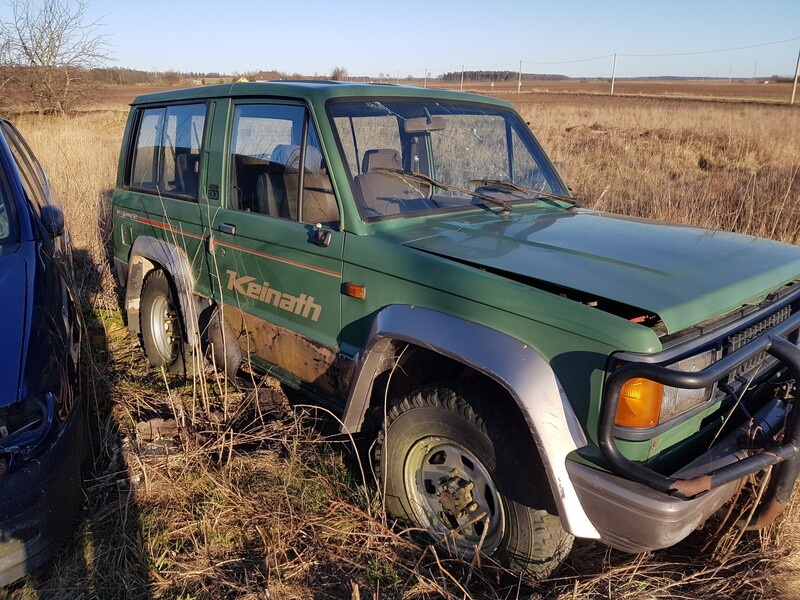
x: 267, y: 76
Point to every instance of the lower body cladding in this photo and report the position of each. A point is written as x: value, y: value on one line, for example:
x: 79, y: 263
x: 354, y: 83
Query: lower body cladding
x: 634, y: 517
x: 39, y: 502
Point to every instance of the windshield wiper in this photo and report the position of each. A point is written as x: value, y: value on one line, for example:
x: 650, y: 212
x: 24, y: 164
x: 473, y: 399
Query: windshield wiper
x: 537, y: 194
x: 414, y: 176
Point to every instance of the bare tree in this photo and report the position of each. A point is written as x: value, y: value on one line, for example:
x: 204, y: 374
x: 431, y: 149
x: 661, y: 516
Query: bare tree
x: 53, y: 47
x: 6, y: 63
x: 339, y: 74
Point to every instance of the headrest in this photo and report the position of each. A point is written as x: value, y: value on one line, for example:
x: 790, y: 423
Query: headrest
x: 381, y: 159
x: 289, y: 155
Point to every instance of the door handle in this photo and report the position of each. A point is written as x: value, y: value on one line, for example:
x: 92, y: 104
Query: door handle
x: 227, y: 228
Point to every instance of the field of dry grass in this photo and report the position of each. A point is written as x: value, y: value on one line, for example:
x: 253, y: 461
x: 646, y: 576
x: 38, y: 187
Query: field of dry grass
x: 736, y: 91
x: 248, y: 495
x: 721, y: 166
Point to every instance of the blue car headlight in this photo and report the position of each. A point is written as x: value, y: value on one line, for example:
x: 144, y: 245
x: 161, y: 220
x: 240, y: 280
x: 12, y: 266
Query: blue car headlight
x: 26, y: 428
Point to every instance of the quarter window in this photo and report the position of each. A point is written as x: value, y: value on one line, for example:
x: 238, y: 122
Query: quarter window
x: 166, y: 151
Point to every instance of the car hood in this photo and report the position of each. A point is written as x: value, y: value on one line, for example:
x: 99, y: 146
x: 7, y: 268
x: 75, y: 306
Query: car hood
x: 683, y: 274
x: 13, y: 285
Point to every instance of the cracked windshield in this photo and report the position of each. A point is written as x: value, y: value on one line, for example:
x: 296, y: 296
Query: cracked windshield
x: 411, y: 157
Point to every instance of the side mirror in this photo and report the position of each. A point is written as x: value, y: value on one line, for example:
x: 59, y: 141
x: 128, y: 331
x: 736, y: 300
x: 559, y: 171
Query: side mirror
x: 53, y: 220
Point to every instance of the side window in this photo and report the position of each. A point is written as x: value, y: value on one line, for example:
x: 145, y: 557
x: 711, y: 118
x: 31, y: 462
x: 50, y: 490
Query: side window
x: 34, y: 180
x: 166, y: 150
x: 268, y: 144
x: 144, y: 172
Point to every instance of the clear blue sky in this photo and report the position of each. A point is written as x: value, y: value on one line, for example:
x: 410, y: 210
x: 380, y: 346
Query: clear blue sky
x: 409, y: 36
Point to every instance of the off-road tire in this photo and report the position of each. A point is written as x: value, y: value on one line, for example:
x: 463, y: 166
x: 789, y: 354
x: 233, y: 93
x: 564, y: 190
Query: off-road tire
x: 487, y: 446
x: 161, y: 325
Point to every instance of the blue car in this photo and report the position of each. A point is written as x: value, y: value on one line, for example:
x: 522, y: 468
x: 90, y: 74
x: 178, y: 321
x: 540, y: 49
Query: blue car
x: 43, y: 432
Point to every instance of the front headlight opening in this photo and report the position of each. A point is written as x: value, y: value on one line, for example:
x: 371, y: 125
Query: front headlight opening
x: 25, y: 427
x: 645, y: 403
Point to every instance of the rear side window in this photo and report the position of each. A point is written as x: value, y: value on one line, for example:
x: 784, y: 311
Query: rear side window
x: 166, y: 150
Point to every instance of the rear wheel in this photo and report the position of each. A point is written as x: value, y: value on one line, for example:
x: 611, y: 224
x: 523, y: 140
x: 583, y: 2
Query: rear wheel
x: 161, y: 325
x: 471, y: 478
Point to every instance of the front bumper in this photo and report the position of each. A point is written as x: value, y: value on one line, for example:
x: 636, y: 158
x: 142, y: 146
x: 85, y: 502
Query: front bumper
x: 633, y: 517
x: 39, y: 502
x: 636, y: 508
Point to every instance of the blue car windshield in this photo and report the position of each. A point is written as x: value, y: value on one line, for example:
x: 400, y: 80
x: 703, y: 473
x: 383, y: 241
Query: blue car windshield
x: 398, y: 151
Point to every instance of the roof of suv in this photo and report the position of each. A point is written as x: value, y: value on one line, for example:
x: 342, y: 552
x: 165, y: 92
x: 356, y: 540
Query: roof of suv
x: 315, y: 91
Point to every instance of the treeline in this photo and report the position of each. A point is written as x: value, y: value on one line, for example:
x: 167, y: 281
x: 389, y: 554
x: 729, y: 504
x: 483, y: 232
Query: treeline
x: 499, y: 76
x: 123, y: 76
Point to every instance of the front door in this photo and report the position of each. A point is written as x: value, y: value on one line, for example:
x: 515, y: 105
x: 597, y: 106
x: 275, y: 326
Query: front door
x: 275, y: 248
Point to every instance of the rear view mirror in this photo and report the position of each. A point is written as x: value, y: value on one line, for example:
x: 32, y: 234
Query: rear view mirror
x: 423, y: 124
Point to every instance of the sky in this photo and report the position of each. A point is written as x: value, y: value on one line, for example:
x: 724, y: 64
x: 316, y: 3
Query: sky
x: 409, y: 37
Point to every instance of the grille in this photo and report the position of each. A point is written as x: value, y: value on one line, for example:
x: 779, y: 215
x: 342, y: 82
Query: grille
x: 739, y: 339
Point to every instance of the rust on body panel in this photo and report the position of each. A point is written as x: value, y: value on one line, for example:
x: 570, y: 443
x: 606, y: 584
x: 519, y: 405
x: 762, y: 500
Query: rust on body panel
x: 305, y: 358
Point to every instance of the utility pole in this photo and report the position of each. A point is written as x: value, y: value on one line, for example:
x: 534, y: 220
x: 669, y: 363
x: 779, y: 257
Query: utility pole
x: 796, y: 69
x: 754, y: 72
x: 462, y: 78
x: 613, y: 73
x: 426, y: 78
x: 519, y: 81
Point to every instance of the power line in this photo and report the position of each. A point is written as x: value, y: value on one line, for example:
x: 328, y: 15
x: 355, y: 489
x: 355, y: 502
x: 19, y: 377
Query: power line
x: 604, y: 57
x: 567, y: 62
x: 794, y: 39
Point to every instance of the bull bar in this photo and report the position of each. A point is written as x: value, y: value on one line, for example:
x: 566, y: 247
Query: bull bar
x: 786, y: 454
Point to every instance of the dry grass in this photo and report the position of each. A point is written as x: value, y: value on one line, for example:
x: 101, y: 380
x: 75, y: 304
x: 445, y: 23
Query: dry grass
x: 720, y: 166
x: 80, y: 156
x: 736, y: 91
x: 247, y: 496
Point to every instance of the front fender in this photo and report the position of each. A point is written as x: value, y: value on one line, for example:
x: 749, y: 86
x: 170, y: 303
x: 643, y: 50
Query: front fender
x: 520, y: 369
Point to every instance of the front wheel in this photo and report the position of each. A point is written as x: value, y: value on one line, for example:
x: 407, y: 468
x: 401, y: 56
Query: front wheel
x: 462, y: 472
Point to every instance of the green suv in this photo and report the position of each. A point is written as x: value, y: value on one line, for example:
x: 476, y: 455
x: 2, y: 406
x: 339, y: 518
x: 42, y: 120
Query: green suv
x: 529, y: 370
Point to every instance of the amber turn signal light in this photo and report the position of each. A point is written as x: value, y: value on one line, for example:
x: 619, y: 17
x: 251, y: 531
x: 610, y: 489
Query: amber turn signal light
x: 354, y: 290
x: 639, y: 403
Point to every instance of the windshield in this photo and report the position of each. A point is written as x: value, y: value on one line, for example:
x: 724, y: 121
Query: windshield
x: 415, y: 156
